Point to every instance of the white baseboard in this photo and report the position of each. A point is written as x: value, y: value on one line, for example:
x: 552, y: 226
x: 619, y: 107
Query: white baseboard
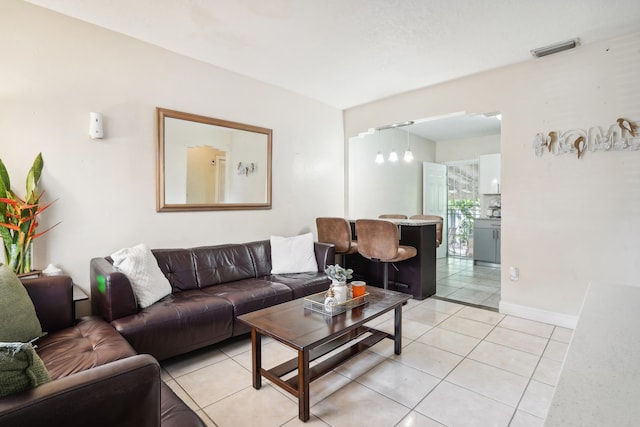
x: 539, y: 315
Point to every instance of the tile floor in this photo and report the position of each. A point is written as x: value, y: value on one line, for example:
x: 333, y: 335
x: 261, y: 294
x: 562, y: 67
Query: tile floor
x: 460, y: 366
x: 459, y: 280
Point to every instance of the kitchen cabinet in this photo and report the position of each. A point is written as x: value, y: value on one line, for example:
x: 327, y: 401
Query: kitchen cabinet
x: 486, y: 241
x: 489, y: 173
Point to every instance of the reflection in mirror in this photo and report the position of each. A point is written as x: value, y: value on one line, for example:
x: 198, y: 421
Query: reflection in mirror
x: 210, y: 164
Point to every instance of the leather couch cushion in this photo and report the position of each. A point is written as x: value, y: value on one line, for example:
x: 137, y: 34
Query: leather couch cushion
x: 260, y: 252
x: 178, y: 323
x: 177, y: 266
x: 90, y: 343
x: 222, y: 264
x: 302, y: 284
x: 251, y: 294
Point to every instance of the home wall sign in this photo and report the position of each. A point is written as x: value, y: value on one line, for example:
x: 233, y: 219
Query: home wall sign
x: 621, y: 135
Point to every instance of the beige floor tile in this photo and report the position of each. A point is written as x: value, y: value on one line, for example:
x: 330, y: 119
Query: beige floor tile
x: 237, y: 345
x: 183, y: 364
x: 530, y: 327
x: 214, y: 382
x: 454, y: 406
x: 386, y: 347
x: 411, y: 329
x: 507, y: 358
x: 449, y: 341
x: 518, y: 340
x: 425, y: 315
x: 320, y: 388
x: 416, y: 419
x: 556, y: 350
x: 562, y: 334
x: 489, y: 381
x: 426, y: 358
x: 548, y: 371
x: 468, y: 327
x: 273, y: 354
x: 537, y: 398
x: 404, y: 384
x: 523, y: 419
x: 249, y: 407
x: 356, y: 405
x: 480, y: 315
x: 444, y: 291
x: 470, y: 295
x: 313, y: 421
x: 442, y: 306
x: 360, y: 364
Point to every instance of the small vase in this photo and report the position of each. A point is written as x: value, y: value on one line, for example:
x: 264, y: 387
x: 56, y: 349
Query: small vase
x: 340, y: 291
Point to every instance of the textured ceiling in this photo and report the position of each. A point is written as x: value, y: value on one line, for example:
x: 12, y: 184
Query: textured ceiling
x: 350, y: 52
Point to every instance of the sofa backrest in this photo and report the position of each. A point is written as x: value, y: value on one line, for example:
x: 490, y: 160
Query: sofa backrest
x: 261, y: 255
x: 221, y: 264
x: 177, y: 266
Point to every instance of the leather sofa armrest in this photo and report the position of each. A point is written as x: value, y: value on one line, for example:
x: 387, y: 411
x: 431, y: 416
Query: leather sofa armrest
x: 121, y: 393
x: 111, y: 293
x: 52, y: 297
x: 325, y: 254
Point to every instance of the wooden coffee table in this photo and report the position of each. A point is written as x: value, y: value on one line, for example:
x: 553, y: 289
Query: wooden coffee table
x: 314, y: 334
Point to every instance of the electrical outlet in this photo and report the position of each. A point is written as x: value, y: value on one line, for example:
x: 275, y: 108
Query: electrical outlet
x: 514, y: 273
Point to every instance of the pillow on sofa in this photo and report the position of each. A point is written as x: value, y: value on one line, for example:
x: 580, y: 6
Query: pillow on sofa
x: 20, y: 368
x: 18, y: 319
x: 141, y: 267
x: 293, y: 254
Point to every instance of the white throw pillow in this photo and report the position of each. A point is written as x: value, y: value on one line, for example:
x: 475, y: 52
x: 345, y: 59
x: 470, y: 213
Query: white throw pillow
x: 293, y: 254
x: 141, y: 267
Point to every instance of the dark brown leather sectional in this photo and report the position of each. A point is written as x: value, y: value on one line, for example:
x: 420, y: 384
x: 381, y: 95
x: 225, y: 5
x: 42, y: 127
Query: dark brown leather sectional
x: 211, y: 287
x: 98, y: 379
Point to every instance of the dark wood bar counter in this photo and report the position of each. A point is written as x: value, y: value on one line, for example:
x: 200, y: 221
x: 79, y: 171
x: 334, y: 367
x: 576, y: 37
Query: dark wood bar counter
x: 415, y: 276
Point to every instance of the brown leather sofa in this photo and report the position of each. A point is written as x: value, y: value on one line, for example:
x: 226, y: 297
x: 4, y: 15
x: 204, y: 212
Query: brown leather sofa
x: 211, y: 287
x: 97, y: 378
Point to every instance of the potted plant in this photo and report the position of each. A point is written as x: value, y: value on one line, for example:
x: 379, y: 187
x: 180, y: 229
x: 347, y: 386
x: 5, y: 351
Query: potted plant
x: 19, y: 217
x: 338, y: 276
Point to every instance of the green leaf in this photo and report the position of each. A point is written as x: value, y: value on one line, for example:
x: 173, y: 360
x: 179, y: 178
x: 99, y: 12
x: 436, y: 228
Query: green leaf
x: 32, y: 180
x: 5, y: 183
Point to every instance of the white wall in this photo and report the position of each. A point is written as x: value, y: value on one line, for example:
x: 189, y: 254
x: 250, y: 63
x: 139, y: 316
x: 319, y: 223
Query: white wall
x: 390, y: 187
x: 467, y: 149
x: 55, y: 70
x: 566, y: 222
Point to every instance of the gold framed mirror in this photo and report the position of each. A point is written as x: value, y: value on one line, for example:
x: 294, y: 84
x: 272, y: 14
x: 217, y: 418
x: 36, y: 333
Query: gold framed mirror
x: 207, y: 164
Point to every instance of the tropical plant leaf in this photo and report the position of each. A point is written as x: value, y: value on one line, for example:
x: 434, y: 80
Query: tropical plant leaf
x: 32, y: 180
x: 5, y: 182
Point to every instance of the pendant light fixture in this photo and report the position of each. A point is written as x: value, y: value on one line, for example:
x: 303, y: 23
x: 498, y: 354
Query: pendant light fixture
x: 408, y: 155
x: 393, y: 155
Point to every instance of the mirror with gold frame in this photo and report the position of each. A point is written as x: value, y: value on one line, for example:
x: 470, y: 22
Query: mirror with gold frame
x: 206, y: 164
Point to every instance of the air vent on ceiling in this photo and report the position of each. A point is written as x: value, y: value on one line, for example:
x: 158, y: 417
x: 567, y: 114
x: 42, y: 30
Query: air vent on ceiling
x: 555, y: 48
